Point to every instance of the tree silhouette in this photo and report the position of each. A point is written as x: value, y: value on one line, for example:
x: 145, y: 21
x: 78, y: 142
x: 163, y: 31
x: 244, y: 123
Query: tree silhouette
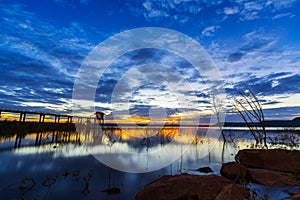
x: 251, y: 111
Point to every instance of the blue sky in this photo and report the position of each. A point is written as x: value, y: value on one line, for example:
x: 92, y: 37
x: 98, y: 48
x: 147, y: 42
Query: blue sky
x: 254, y: 44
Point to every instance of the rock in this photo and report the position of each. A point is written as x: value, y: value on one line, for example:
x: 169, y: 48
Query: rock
x: 234, y: 171
x: 272, y: 159
x: 295, y: 195
x: 184, y: 186
x: 188, y: 197
x: 113, y: 190
x: 270, y: 177
x: 233, y: 192
x: 205, y: 170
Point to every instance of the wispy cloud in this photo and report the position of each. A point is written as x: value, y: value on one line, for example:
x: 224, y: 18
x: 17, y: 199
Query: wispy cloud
x: 175, y: 10
x: 152, y: 79
x: 268, y: 69
x: 254, y: 41
x: 71, y: 4
x: 39, y: 57
x: 231, y: 10
x: 279, y: 5
x: 252, y: 10
x: 281, y: 15
x: 209, y: 31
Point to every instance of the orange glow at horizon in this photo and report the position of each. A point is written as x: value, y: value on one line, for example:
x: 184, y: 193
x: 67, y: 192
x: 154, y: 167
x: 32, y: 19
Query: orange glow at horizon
x: 171, y: 120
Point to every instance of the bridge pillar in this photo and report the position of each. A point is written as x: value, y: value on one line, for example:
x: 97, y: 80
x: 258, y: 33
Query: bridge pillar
x: 69, y: 119
x: 42, y: 118
x: 80, y: 120
x: 22, y: 117
x: 57, y: 118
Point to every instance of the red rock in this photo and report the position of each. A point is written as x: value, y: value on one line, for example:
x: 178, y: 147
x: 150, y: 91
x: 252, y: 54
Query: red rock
x: 184, y: 186
x: 295, y: 195
x: 270, y: 177
x: 233, y: 192
x: 272, y: 159
x: 234, y: 171
x: 205, y: 170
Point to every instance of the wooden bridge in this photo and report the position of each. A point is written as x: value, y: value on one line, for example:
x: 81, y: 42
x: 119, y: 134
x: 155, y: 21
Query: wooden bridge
x: 41, y: 115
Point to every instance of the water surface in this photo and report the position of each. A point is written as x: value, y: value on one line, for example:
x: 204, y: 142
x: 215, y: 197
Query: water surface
x: 61, y: 165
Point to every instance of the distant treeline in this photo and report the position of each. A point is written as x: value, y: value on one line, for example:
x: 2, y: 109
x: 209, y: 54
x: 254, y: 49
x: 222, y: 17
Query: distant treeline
x: 13, y: 127
x: 268, y: 123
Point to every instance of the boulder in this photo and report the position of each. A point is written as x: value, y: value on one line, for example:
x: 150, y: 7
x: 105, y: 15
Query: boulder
x: 270, y: 177
x: 235, y: 171
x: 205, y: 170
x: 233, y: 192
x: 295, y: 195
x: 271, y: 159
x: 184, y: 186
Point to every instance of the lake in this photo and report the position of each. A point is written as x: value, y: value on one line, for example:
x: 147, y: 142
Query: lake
x: 83, y: 164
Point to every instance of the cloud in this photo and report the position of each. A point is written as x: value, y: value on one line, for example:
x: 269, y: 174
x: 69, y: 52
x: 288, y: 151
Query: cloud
x: 281, y: 15
x: 169, y: 12
x: 282, y: 113
x: 250, y: 6
x: 265, y: 86
x: 64, y: 3
x: 174, y: 10
x: 71, y: 4
x: 254, y: 41
x: 39, y: 57
x: 186, y: 11
x: 248, y: 48
x: 279, y: 5
x: 209, y: 31
x: 42, y: 58
x: 252, y: 10
x: 153, y: 78
x: 147, y: 5
x: 260, y: 63
x: 234, y: 57
x: 231, y: 10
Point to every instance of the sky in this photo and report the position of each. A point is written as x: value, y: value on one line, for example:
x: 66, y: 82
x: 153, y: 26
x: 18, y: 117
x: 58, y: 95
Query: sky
x: 253, y: 44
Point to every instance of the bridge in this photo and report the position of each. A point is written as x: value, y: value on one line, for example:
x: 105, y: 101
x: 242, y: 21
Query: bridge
x: 42, y: 115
